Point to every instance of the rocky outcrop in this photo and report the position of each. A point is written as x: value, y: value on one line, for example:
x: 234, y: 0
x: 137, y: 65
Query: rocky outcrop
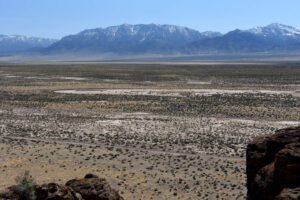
x: 54, y: 191
x: 91, y: 187
x: 273, y: 166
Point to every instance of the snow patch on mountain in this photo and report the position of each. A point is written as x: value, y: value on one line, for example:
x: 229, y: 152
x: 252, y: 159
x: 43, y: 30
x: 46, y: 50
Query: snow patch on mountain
x: 276, y: 30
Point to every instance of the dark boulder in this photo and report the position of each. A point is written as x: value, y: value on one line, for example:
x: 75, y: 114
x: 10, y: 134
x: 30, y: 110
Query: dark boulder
x: 53, y: 191
x: 273, y: 165
x: 91, y: 187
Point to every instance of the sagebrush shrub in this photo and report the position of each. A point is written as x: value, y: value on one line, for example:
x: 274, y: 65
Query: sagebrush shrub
x: 25, y: 187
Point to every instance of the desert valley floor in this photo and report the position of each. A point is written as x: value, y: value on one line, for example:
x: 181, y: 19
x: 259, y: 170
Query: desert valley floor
x: 153, y: 130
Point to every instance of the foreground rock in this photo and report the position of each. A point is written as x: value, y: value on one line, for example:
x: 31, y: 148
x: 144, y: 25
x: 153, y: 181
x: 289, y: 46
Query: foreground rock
x: 91, y: 187
x: 273, y: 166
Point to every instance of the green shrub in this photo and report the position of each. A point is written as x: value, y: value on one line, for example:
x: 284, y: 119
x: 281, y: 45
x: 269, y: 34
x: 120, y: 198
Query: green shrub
x: 25, y: 187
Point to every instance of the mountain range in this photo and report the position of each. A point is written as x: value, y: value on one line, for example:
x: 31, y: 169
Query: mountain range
x: 271, y: 38
x: 127, y: 38
x: 160, y: 39
x: 19, y: 43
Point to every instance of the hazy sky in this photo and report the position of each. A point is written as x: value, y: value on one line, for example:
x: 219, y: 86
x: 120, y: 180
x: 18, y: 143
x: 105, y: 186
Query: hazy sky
x: 57, y: 18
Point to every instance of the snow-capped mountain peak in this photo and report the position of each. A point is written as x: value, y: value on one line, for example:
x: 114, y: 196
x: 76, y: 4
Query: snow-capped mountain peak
x: 276, y: 30
x: 147, y: 30
x: 132, y: 38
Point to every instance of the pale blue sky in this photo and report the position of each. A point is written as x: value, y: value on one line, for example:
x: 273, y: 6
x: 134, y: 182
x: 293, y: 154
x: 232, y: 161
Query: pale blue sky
x: 57, y: 18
